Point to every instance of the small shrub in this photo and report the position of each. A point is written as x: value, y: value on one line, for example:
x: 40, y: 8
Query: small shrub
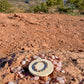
x: 64, y: 9
x: 4, y: 6
x: 42, y: 7
x: 79, y: 4
x: 54, y: 2
x: 50, y: 2
x: 48, y: 5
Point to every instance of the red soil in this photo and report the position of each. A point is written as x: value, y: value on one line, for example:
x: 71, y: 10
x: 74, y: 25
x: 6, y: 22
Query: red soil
x: 42, y: 33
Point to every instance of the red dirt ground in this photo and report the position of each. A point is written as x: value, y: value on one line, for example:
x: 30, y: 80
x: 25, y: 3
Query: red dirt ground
x: 41, y: 33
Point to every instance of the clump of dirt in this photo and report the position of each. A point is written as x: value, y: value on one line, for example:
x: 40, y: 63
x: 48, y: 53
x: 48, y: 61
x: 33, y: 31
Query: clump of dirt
x: 25, y: 35
x: 41, y: 31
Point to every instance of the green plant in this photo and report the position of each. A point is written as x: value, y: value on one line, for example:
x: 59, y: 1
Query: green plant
x: 42, y: 7
x: 54, y: 2
x: 4, y: 6
x: 64, y: 10
x: 79, y: 4
x: 48, y: 5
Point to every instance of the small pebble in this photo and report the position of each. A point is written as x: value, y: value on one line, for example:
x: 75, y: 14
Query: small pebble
x: 61, y: 80
x: 14, y: 70
x: 22, y: 70
x: 42, y: 55
x: 58, y: 68
x: 11, y: 83
x: 51, y: 60
x: 11, y: 69
x: 38, y: 58
x: 36, y: 78
x: 35, y: 57
x: 56, y: 57
x: 31, y: 78
x: 49, y: 78
x: 47, y: 82
x: 19, y: 72
x: 60, y: 64
x: 19, y: 68
x: 53, y: 57
x: 54, y: 62
x: 23, y: 62
x: 26, y: 60
x: 57, y: 63
x: 20, y: 75
x: 63, y: 71
x: 42, y: 82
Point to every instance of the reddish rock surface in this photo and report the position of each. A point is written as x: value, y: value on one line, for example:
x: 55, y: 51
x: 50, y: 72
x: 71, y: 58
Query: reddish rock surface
x: 62, y: 35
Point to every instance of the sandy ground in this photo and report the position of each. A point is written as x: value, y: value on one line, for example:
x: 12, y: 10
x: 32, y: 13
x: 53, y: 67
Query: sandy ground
x: 57, y: 34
